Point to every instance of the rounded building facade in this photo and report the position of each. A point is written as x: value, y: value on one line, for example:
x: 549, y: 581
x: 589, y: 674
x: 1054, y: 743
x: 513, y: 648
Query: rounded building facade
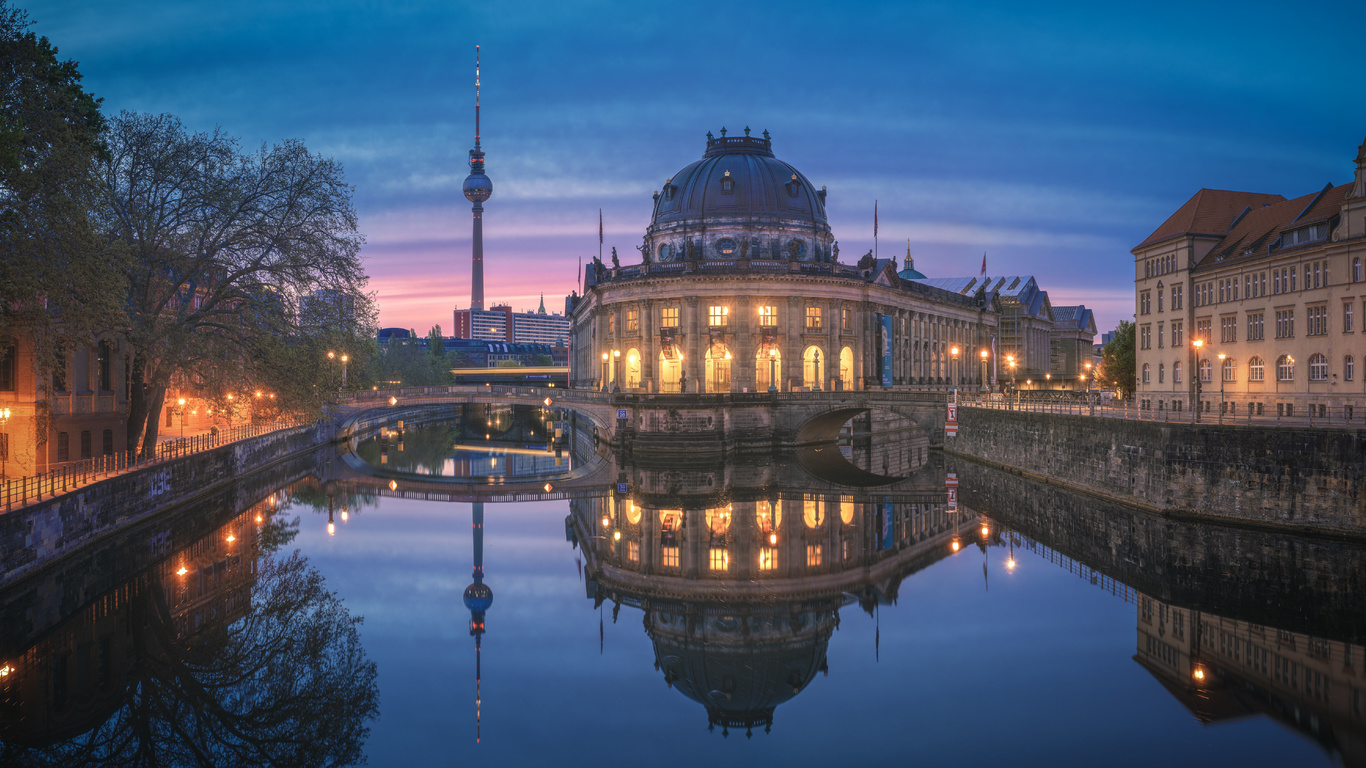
x: 740, y: 289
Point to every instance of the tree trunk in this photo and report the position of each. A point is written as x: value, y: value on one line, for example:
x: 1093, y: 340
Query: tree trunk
x: 149, y: 443
x: 137, y: 401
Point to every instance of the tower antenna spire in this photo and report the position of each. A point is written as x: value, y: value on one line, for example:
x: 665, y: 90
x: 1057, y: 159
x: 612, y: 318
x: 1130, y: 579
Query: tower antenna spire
x: 476, y: 97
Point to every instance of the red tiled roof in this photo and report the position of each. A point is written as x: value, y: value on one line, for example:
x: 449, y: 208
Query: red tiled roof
x: 1256, y: 232
x: 1209, y: 212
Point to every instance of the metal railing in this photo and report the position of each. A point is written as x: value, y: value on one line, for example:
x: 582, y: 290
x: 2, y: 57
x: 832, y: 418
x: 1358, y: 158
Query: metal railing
x: 20, y: 491
x: 1231, y: 414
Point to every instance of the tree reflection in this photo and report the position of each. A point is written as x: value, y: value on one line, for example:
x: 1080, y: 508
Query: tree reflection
x: 269, y: 671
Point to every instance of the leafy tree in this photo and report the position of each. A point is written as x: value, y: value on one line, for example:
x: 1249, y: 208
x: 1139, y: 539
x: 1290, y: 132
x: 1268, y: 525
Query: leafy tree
x: 54, y: 269
x: 543, y: 360
x: 235, y: 256
x: 436, y: 344
x: 404, y: 362
x: 1118, y: 361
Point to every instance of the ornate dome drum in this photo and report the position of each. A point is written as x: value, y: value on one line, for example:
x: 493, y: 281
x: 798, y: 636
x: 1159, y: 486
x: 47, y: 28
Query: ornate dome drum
x: 738, y: 202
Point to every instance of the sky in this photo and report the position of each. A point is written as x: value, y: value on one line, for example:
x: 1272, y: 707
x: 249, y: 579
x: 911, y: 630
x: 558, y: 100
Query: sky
x: 1051, y: 137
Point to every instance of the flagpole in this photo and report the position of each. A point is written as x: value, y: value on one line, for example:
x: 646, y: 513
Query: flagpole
x: 599, y: 234
x: 875, y: 229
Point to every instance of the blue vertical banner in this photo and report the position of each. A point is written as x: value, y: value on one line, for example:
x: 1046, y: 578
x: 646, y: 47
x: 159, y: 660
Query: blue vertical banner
x: 886, y: 349
x: 886, y: 537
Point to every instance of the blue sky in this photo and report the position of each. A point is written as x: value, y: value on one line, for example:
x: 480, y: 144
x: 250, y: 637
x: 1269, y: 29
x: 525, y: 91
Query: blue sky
x: 1053, y: 137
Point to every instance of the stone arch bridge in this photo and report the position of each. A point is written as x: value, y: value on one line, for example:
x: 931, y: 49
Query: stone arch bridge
x: 681, y: 423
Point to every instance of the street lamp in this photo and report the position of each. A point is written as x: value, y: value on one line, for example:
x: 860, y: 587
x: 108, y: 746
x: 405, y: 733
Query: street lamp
x: 1221, y: 386
x: 181, y: 403
x: 1010, y: 362
x: 1196, y: 345
x: 772, y: 369
x: 604, y: 371
x: 816, y: 368
x: 984, y: 355
x: 954, y: 351
x: 616, y: 363
x: 5, y: 414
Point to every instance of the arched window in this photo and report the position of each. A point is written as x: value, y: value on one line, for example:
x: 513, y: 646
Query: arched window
x: 1147, y: 375
x: 1230, y: 370
x: 1318, y: 368
x: 768, y: 366
x: 1256, y: 371
x: 846, y: 369
x: 813, y: 510
x: 813, y: 368
x: 633, y: 369
x: 1348, y: 368
x: 1176, y: 372
x: 670, y: 370
x: 1285, y: 368
x: 718, y: 368
x: 1205, y: 370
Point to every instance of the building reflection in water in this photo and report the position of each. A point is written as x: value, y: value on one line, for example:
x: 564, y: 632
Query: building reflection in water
x: 478, y: 441
x: 741, y: 585
x: 220, y: 653
x: 1223, y: 669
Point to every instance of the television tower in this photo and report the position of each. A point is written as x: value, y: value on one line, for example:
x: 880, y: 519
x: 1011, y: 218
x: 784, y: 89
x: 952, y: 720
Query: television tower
x: 477, y: 189
x: 478, y: 599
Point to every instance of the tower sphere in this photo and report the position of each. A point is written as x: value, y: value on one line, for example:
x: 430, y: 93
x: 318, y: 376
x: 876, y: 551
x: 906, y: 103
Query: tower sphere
x: 478, y: 597
x: 478, y: 188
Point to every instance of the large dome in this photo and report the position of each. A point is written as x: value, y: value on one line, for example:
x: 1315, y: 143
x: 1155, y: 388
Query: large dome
x: 739, y: 201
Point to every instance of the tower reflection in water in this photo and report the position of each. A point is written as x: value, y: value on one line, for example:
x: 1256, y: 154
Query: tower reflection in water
x: 740, y: 585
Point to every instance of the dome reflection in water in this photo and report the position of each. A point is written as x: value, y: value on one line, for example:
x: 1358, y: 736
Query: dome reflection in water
x: 741, y: 573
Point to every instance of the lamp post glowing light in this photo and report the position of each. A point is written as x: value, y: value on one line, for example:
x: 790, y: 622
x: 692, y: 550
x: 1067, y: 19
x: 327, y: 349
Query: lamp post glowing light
x: 984, y: 354
x: 1196, y: 346
x: 1222, y: 357
x: 772, y: 370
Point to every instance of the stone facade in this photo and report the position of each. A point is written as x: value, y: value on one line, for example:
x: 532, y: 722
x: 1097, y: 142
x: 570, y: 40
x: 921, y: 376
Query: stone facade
x: 1273, y: 290
x: 737, y: 307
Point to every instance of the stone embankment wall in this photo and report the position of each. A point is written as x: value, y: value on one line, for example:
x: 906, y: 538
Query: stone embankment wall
x: 1296, y: 478
x: 40, y: 533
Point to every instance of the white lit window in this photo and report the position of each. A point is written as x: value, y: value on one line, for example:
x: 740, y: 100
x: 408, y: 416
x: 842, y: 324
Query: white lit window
x: 768, y: 558
x: 814, y: 555
x: 718, y: 316
x: 668, y: 557
x: 768, y: 316
x: 720, y: 559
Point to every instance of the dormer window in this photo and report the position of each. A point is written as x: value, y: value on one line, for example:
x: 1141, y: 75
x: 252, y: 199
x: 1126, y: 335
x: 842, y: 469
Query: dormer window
x: 669, y: 190
x: 1303, y: 235
x: 794, y: 187
x: 725, y: 246
x: 727, y: 183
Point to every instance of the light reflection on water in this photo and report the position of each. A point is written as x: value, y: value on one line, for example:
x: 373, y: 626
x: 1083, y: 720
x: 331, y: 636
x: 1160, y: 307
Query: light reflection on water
x: 806, y: 622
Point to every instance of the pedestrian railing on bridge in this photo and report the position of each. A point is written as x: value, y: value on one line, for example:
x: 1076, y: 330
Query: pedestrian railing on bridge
x: 18, y: 492
x: 1318, y: 416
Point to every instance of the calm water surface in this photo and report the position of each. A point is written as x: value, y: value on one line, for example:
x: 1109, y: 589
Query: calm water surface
x: 749, y: 613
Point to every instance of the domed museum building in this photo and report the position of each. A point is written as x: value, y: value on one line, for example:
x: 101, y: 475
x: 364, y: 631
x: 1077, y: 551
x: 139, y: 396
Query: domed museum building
x: 740, y: 289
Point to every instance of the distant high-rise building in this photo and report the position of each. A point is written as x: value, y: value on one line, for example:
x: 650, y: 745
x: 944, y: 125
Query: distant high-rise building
x: 502, y: 324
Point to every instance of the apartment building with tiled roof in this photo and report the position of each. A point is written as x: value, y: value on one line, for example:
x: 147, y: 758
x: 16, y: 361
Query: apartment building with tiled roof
x: 1258, y: 300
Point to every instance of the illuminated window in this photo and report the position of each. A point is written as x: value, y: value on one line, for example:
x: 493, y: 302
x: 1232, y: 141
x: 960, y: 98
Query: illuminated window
x: 768, y: 516
x: 718, y: 316
x: 1256, y: 370
x: 813, y: 318
x: 1285, y: 368
x: 813, y: 510
x: 633, y: 320
x: 668, y: 317
x: 844, y: 319
x: 768, y: 558
x: 847, y: 510
x: 719, y: 560
x: 1230, y: 370
x: 768, y: 316
x: 632, y: 512
x: 814, y: 554
x: 668, y: 557
x: 633, y: 551
x: 611, y: 322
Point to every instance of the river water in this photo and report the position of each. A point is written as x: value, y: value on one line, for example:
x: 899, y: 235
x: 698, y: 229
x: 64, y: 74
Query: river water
x: 725, y: 613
